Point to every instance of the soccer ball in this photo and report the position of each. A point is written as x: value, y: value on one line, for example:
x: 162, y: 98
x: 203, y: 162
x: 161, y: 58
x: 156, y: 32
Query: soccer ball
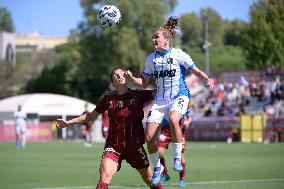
x: 108, y: 16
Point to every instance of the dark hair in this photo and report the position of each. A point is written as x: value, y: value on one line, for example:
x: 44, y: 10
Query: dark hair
x: 169, y: 27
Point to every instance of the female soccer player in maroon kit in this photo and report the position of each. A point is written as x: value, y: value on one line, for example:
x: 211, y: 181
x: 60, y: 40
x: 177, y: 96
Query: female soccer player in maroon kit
x: 126, y: 134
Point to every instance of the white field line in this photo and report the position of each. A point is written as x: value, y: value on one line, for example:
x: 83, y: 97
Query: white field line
x: 173, y: 184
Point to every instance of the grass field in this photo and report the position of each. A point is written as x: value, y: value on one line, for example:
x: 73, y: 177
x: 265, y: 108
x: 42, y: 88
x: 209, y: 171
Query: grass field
x: 69, y: 165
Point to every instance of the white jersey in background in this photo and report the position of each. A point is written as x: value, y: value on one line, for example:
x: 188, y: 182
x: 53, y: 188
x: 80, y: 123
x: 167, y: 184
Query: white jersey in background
x: 168, y: 70
x: 20, y: 118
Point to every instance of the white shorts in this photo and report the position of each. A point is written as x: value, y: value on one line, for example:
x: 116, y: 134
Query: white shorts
x: 20, y: 129
x: 161, y: 109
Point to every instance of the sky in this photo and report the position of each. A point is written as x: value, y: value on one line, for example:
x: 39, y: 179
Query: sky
x: 58, y: 17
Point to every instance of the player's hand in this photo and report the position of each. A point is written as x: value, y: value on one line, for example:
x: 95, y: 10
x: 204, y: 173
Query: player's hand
x: 60, y: 123
x: 186, y: 123
x: 211, y: 83
x: 183, y: 140
x: 128, y: 74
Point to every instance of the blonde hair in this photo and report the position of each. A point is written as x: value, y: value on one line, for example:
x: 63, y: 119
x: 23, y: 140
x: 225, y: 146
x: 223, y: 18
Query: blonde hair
x: 169, y: 28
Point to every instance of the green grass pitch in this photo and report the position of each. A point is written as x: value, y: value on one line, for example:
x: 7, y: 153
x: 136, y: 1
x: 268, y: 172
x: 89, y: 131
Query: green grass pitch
x: 69, y: 165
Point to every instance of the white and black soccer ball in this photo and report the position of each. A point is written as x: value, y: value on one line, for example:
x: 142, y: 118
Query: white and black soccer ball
x: 108, y: 16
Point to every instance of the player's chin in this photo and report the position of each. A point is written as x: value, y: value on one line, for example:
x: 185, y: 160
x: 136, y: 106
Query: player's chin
x: 123, y: 82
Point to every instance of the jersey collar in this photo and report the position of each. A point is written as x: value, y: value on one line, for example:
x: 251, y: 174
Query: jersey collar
x: 164, y: 53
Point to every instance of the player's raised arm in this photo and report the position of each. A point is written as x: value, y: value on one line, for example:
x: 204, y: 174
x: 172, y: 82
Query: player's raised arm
x: 60, y: 123
x: 141, y: 81
x: 200, y: 74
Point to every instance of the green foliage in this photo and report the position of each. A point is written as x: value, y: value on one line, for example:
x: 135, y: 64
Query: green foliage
x: 192, y: 30
x: 58, y: 78
x: 263, y: 38
x: 225, y: 58
x: 50, y: 81
x: 123, y: 46
x: 6, y: 22
x: 233, y: 32
x: 93, y: 52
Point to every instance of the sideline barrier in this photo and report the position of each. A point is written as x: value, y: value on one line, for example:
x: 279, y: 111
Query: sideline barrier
x: 35, y: 132
x: 252, y: 128
x: 212, y: 128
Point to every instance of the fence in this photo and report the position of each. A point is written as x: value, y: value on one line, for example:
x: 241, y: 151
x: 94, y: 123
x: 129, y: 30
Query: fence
x: 204, y: 129
x: 255, y: 128
x: 35, y: 132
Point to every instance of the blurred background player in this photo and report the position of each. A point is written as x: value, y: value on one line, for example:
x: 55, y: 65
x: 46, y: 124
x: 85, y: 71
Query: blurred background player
x: 126, y: 136
x: 105, y: 124
x: 163, y: 144
x: 87, y: 129
x: 21, y: 127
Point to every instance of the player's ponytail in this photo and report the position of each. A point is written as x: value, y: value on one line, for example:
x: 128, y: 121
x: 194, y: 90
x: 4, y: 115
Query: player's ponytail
x: 171, y: 24
x: 169, y: 27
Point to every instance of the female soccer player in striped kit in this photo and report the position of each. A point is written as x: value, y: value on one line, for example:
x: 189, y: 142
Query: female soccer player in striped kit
x: 167, y: 65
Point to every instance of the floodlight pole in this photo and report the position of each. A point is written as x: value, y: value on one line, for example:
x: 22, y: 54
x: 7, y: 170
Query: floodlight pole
x: 206, y: 44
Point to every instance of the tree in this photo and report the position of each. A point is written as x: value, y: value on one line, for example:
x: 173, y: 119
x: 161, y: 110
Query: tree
x: 123, y: 46
x: 233, y: 32
x: 192, y: 30
x: 6, y: 22
x: 263, y: 38
x: 57, y: 78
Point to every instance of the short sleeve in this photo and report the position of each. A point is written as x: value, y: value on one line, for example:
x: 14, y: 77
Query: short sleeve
x: 148, y: 70
x: 185, y: 60
x: 102, y: 105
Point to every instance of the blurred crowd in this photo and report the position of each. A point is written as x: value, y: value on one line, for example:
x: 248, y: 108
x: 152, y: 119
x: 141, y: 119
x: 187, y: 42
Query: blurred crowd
x: 233, y: 99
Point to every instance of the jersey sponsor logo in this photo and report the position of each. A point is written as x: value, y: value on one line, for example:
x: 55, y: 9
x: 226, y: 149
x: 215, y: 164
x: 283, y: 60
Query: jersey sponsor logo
x: 170, y: 60
x: 109, y: 150
x: 164, y: 73
x: 149, y: 114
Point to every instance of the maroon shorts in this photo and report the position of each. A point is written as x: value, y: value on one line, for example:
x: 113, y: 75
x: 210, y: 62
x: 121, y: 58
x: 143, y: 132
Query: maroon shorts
x: 135, y: 156
x: 165, y: 140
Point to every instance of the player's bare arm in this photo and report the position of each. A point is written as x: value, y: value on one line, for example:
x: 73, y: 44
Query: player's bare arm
x: 60, y: 123
x: 141, y: 81
x: 200, y: 74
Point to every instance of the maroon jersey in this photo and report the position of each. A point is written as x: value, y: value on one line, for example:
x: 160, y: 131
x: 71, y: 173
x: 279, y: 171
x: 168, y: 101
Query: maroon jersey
x: 125, y: 117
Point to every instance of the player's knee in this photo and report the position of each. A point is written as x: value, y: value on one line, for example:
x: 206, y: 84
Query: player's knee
x: 106, y: 176
x: 174, y: 121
